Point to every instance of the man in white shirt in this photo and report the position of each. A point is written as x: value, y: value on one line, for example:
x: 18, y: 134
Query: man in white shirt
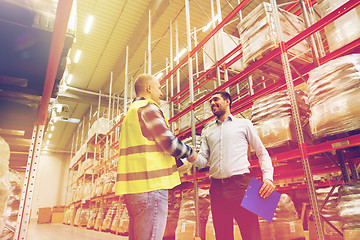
x: 225, y: 146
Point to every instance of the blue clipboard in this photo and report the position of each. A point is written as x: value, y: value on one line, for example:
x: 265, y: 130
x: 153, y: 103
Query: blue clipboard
x: 252, y: 201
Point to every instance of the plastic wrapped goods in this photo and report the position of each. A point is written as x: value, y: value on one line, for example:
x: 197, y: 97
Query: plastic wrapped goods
x: 109, y: 218
x: 224, y: 43
x: 344, y: 29
x: 99, y: 220
x: 272, y: 117
x: 186, y: 224
x: 116, y: 221
x: 124, y: 221
x: 258, y: 33
x: 349, y: 205
x: 92, y: 218
x: 334, y: 95
x: 286, y: 223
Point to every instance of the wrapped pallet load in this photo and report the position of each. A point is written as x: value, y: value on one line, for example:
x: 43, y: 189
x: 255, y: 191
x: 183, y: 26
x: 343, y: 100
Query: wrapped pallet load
x: 334, y: 96
x: 219, y: 46
x: 92, y: 218
x: 109, y: 217
x: 272, y: 118
x: 286, y: 224
x: 124, y: 221
x: 258, y: 34
x: 186, y: 227
x: 344, y: 29
x: 116, y: 222
x: 329, y: 212
x: 349, y: 210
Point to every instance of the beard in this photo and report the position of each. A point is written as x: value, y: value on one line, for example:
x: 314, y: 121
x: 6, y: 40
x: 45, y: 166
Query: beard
x: 218, y: 112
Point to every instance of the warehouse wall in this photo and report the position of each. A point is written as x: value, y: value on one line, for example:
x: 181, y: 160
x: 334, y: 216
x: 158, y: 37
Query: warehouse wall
x: 51, y: 181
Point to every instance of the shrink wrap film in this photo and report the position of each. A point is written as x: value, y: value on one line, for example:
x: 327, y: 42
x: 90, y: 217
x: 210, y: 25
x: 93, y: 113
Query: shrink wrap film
x: 99, y: 220
x: 92, y: 218
x: 124, y: 221
x: 349, y: 205
x: 187, y: 220
x: 286, y: 224
x: 258, y: 33
x: 344, y: 29
x: 225, y: 44
x: 272, y: 117
x: 334, y: 95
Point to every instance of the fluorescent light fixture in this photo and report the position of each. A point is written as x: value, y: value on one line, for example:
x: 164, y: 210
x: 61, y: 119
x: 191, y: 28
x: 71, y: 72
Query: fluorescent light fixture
x: 159, y: 75
x: 52, y: 128
x: 88, y: 24
x: 70, y: 120
x: 77, y: 56
x: 48, y: 141
x: 69, y: 79
x: 180, y: 54
x: 50, y: 135
x: 210, y: 23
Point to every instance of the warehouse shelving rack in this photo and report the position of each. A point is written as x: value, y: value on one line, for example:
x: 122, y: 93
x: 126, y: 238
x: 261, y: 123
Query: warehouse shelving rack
x: 246, y: 97
x: 304, y: 151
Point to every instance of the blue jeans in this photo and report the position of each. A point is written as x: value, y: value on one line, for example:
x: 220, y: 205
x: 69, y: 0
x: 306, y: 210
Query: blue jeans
x: 226, y: 196
x: 147, y: 214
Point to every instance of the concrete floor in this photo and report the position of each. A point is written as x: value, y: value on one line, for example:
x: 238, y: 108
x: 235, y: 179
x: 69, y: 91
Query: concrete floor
x: 58, y: 231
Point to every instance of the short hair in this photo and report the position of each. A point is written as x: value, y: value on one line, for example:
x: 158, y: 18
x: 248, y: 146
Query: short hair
x: 224, y: 95
x: 141, y: 82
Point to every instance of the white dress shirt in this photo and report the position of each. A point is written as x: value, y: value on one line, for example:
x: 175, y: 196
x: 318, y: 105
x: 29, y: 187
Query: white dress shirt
x: 225, y: 146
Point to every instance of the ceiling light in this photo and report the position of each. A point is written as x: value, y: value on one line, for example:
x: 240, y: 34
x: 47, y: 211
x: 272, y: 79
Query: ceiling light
x: 50, y: 135
x: 48, y: 141
x: 71, y: 120
x: 180, y: 54
x: 69, y: 79
x: 210, y: 23
x: 88, y: 24
x: 52, y: 128
x: 77, y: 56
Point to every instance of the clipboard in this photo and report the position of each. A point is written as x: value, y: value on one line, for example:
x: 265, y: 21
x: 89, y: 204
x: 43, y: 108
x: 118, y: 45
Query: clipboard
x: 264, y: 208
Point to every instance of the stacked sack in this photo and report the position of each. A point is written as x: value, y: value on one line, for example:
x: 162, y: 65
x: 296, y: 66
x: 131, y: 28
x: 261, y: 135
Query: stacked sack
x: 286, y: 224
x: 258, y: 33
x: 344, y: 29
x: 186, y: 226
x: 349, y: 210
x: 272, y: 117
x: 334, y: 95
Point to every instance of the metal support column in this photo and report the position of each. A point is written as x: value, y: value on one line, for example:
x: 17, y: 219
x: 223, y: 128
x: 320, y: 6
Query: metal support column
x: 343, y: 167
x: 29, y: 183
x: 126, y: 80
x: 297, y: 123
x: 177, y: 59
x: 172, y: 76
x: 193, y: 133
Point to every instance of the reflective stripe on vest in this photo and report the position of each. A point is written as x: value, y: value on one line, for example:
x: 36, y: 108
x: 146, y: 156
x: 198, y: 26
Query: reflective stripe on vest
x: 140, y: 149
x: 146, y: 175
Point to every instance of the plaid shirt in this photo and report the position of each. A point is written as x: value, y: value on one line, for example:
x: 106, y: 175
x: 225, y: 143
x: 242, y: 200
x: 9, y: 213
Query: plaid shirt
x: 153, y: 126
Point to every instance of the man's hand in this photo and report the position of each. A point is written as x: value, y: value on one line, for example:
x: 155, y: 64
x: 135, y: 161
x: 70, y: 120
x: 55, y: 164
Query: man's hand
x: 266, y: 189
x: 193, y: 157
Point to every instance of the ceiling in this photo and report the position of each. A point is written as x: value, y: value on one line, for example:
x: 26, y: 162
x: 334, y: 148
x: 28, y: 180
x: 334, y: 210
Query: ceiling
x: 116, y: 25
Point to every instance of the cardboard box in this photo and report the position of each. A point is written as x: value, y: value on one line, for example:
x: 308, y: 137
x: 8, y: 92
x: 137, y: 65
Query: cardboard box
x: 57, y: 217
x: 44, y: 215
x: 58, y: 209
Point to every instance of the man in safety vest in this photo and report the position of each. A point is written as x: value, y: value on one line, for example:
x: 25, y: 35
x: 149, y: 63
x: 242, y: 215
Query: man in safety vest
x: 147, y: 167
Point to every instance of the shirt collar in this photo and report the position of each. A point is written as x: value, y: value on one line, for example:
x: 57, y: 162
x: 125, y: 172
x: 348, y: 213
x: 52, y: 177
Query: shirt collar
x: 230, y: 117
x: 139, y: 98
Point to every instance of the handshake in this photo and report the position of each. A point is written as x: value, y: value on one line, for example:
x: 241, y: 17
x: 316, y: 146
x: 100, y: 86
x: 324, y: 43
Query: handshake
x: 193, y: 157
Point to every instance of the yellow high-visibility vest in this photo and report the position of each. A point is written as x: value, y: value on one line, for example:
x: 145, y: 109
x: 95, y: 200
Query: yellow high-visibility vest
x: 143, y: 165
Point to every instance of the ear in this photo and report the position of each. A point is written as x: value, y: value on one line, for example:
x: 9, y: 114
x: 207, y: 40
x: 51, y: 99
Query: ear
x: 148, y: 88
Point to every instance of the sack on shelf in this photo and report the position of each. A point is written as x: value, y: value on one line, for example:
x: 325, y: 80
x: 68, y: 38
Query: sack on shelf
x: 99, y: 220
x: 124, y: 222
x: 92, y: 218
x: 344, y: 29
x: 273, y: 120
x: 334, y: 96
x: 286, y: 224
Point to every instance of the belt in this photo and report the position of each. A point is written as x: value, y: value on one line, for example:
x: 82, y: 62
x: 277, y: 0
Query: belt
x: 229, y: 179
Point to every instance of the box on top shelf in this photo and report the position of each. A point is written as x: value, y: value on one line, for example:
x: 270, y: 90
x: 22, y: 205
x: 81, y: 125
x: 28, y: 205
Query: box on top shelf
x: 344, y: 29
x: 334, y: 96
x: 258, y: 35
x: 225, y: 43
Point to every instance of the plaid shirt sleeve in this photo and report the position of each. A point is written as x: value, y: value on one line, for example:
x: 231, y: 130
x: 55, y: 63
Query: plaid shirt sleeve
x: 153, y: 120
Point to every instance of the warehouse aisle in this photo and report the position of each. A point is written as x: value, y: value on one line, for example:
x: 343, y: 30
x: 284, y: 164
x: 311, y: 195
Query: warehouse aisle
x: 58, y: 231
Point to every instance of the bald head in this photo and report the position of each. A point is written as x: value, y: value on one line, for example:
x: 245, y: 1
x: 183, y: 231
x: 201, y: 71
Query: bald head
x: 142, y: 82
x: 148, y: 86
